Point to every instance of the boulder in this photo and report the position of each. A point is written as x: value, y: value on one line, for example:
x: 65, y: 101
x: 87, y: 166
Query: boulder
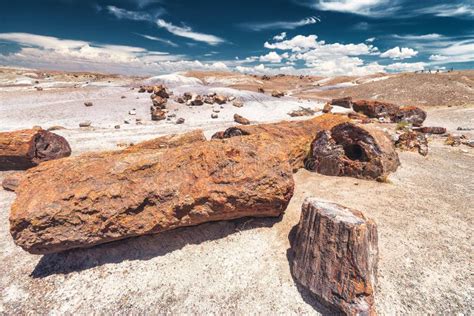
x: 24, y: 149
x: 241, y: 120
x: 335, y: 257
x: 413, y: 141
x: 375, y: 109
x: 409, y: 114
x: 353, y: 150
x: 97, y: 198
x: 85, y: 124
x: 344, y: 102
x: 11, y: 181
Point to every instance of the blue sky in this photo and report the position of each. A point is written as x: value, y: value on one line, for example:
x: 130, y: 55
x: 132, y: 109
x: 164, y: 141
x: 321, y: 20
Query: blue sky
x: 320, y: 37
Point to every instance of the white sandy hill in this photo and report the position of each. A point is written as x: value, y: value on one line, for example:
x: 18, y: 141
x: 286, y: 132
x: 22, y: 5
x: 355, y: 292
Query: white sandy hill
x: 176, y: 78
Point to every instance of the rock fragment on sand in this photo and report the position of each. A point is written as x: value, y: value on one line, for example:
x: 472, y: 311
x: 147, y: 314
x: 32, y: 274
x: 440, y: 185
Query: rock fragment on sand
x: 220, y: 99
x: 335, y: 253
x: 88, y: 104
x: 302, y: 111
x: 238, y: 103
x: 241, y: 120
x: 180, y: 120
x: 214, y: 115
x: 327, y: 108
x: 277, y: 94
x: 413, y: 141
x: 158, y: 115
x: 132, y: 112
x: 85, y: 124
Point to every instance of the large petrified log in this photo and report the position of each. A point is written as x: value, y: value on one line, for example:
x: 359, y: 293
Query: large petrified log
x: 348, y: 149
x: 378, y: 109
x: 93, y: 199
x: 24, y: 149
x: 295, y: 136
x: 335, y: 256
x: 169, y: 141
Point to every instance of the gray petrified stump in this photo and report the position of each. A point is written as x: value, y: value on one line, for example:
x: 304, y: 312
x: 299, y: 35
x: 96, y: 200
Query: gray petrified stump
x: 335, y: 256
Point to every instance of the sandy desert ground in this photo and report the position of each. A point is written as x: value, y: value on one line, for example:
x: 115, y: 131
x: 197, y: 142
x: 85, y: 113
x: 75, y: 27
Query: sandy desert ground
x: 424, y: 213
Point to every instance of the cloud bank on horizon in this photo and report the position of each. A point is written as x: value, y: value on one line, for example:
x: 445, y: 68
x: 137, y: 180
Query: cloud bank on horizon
x: 338, y: 37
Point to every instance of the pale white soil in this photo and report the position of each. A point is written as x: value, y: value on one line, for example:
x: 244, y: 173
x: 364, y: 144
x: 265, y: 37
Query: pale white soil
x: 424, y: 216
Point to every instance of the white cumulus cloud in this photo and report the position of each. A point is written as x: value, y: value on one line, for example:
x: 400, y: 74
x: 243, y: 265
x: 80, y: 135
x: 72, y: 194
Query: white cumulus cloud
x: 399, y: 53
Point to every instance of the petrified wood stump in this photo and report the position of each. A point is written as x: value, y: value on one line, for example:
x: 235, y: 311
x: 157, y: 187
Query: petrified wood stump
x: 24, y: 149
x: 92, y: 199
x: 335, y: 256
x: 359, y: 151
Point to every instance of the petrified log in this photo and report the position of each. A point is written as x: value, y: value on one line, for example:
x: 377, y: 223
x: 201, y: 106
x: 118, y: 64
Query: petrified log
x: 88, y: 200
x: 295, y: 136
x: 11, y: 181
x: 353, y: 150
x: 24, y: 149
x: 336, y: 255
x: 344, y: 102
x: 375, y: 109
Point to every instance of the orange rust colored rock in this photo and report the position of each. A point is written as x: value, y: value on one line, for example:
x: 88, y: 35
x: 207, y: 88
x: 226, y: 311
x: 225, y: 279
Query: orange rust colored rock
x: 375, y: 109
x: 335, y: 253
x: 24, y: 149
x: 88, y: 200
x: 296, y: 136
x: 360, y: 151
x: 169, y: 141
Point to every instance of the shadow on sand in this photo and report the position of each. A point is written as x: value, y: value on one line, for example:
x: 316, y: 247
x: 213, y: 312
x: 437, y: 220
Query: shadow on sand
x: 143, y: 247
x: 307, y: 296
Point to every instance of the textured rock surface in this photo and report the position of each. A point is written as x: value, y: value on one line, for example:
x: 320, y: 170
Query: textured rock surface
x: 409, y: 114
x: 413, y: 141
x: 93, y: 199
x: 168, y: 141
x: 375, y: 109
x: 335, y: 256
x: 24, y: 149
x: 295, y: 136
x: 11, y: 181
x: 353, y: 150
x: 241, y: 120
x: 344, y: 102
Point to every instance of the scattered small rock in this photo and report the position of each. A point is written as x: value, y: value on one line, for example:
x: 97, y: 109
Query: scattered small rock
x: 158, y: 115
x: 220, y: 99
x: 126, y: 122
x: 413, y: 141
x: 277, y: 94
x: 56, y: 128
x: 88, y: 104
x: 241, y: 120
x: 327, y: 108
x: 261, y: 90
x: 302, y: 111
x: 432, y: 130
x: 132, y: 112
x: 454, y: 140
x: 85, y: 124
x: 238, y: 103
x: 39, y: 89
x: 214, y: 115
x: 344, y: 102
x: 180, y: 120
x: 117, y: 126
x: 465, y: 128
